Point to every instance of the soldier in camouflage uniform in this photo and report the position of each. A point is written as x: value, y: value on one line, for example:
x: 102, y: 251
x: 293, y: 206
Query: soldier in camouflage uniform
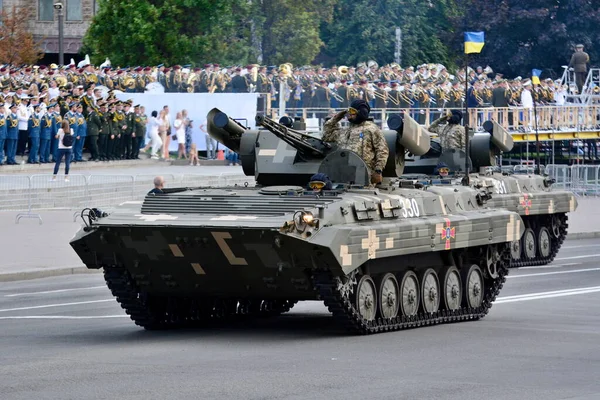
x: 363, y: 137
x: 452, y: 134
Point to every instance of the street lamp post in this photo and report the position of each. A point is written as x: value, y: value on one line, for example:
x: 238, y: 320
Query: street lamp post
x: 61, y: 54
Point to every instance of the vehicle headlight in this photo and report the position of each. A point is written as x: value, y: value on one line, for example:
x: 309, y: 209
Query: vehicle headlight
x: 303, y: 219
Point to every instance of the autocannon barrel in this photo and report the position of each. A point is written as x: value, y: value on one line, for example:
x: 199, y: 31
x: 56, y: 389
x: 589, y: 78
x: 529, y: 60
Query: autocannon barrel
x: 224, y: 129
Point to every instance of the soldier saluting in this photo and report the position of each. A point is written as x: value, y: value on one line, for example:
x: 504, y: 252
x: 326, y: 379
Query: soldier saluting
x: 363, y: 137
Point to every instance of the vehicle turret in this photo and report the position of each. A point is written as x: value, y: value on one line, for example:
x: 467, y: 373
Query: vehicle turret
x: 278, y: 154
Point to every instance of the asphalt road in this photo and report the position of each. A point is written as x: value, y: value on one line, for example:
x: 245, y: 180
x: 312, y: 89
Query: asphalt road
x: 66, y: 338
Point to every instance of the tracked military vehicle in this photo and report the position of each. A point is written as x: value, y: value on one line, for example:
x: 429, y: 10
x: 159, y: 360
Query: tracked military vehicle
x: 400, y: 256
x: 543, y: 209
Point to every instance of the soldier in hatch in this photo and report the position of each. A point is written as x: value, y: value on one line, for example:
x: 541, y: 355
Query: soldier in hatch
x: 451, y: 133
x: 363, y: 137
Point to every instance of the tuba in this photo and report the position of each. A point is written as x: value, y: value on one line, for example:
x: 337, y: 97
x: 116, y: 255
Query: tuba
x: 61, y: 80
x: 342, y: 70
x: 129, y: 82
x: 286, y: 68
x: 191, y: 82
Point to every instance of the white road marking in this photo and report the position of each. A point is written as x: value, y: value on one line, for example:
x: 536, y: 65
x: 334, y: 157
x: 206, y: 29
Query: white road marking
x: 56, y: 305
x: 547, y: 295
x: 547, y: 266
x: 576, y: 257
x: 572, y: 271
x: 579, y: 246
x: 55, y: 291
x: 66, y: 317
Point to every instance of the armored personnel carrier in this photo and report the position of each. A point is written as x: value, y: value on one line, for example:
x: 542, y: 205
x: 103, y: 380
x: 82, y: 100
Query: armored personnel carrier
x: 381, y: 259
x: 543, y: 209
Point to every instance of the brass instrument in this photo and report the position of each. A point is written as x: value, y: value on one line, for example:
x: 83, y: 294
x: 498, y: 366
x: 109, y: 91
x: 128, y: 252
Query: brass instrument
x: 212, y: 86
x: 405, y: 97
x: 61, y: 80
x: 381, y: 96
x: 393, y: 99
x: 191, y: 82
x: 342, y: 70
x: 286, y: 68
x: 91, y: 78
x: 129, y: 82
x: 335, y: 95
x: 478, y: 97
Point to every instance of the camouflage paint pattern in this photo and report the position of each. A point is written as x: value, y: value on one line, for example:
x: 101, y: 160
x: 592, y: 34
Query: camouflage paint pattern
x: 365, y: 139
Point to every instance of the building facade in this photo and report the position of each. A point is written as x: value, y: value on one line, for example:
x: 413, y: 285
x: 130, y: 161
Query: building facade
x: 43, y: 21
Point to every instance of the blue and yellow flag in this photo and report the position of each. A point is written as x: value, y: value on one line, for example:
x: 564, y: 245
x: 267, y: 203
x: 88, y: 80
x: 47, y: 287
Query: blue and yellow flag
x: 474, y: 42
x: 535, y: 76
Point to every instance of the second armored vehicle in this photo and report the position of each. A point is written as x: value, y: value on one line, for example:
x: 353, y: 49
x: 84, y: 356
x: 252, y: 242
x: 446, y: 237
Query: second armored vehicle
x: 542, y: 208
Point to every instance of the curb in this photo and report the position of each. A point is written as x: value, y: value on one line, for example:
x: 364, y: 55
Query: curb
x: 583, y: 235
x: 45, y: 273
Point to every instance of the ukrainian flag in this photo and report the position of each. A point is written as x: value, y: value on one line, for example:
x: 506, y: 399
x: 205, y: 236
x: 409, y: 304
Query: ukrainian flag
x: 535, y: 76
x: 474, y: 42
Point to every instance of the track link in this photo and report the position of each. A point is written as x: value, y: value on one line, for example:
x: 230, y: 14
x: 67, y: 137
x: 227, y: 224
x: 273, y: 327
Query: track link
x: 347, y: 316
x: 154, y: 313
x: 555, y: 245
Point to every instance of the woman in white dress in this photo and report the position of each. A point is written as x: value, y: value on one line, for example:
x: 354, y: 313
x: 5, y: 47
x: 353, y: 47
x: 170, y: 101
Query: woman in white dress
x: 180, y: 136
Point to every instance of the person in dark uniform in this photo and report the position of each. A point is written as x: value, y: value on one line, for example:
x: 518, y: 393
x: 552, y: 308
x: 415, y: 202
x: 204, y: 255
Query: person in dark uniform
x: 500, y: 97
x: 159, y: 183
x: 94, y: 126
x: 342, y: 91
x: 322, y: 99
x: 578, y: 62
x: 238, y: 83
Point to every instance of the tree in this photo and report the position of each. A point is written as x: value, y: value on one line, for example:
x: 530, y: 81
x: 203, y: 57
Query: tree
x: 362, y: 30
x: 289, y: 29
x: 147, y: 32
x: 16, y: 43
x: 534, y: 34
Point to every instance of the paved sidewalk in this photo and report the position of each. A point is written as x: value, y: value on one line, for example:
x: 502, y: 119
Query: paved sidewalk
x: 31, y: 250
x: 585, y: 221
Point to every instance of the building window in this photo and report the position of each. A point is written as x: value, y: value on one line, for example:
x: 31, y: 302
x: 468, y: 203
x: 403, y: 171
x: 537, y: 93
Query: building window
x: 74, y: 10
x: 46, y: 10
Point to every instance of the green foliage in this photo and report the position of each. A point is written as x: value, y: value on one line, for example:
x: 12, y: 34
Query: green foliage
x: 364, y: 30
x: 289, y: 29
x: 521, y: 35
x: 147, y: 32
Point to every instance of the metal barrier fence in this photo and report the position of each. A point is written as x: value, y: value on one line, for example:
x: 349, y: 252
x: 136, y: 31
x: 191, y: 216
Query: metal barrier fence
x: 29, y: 194
x: 583, y: 180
